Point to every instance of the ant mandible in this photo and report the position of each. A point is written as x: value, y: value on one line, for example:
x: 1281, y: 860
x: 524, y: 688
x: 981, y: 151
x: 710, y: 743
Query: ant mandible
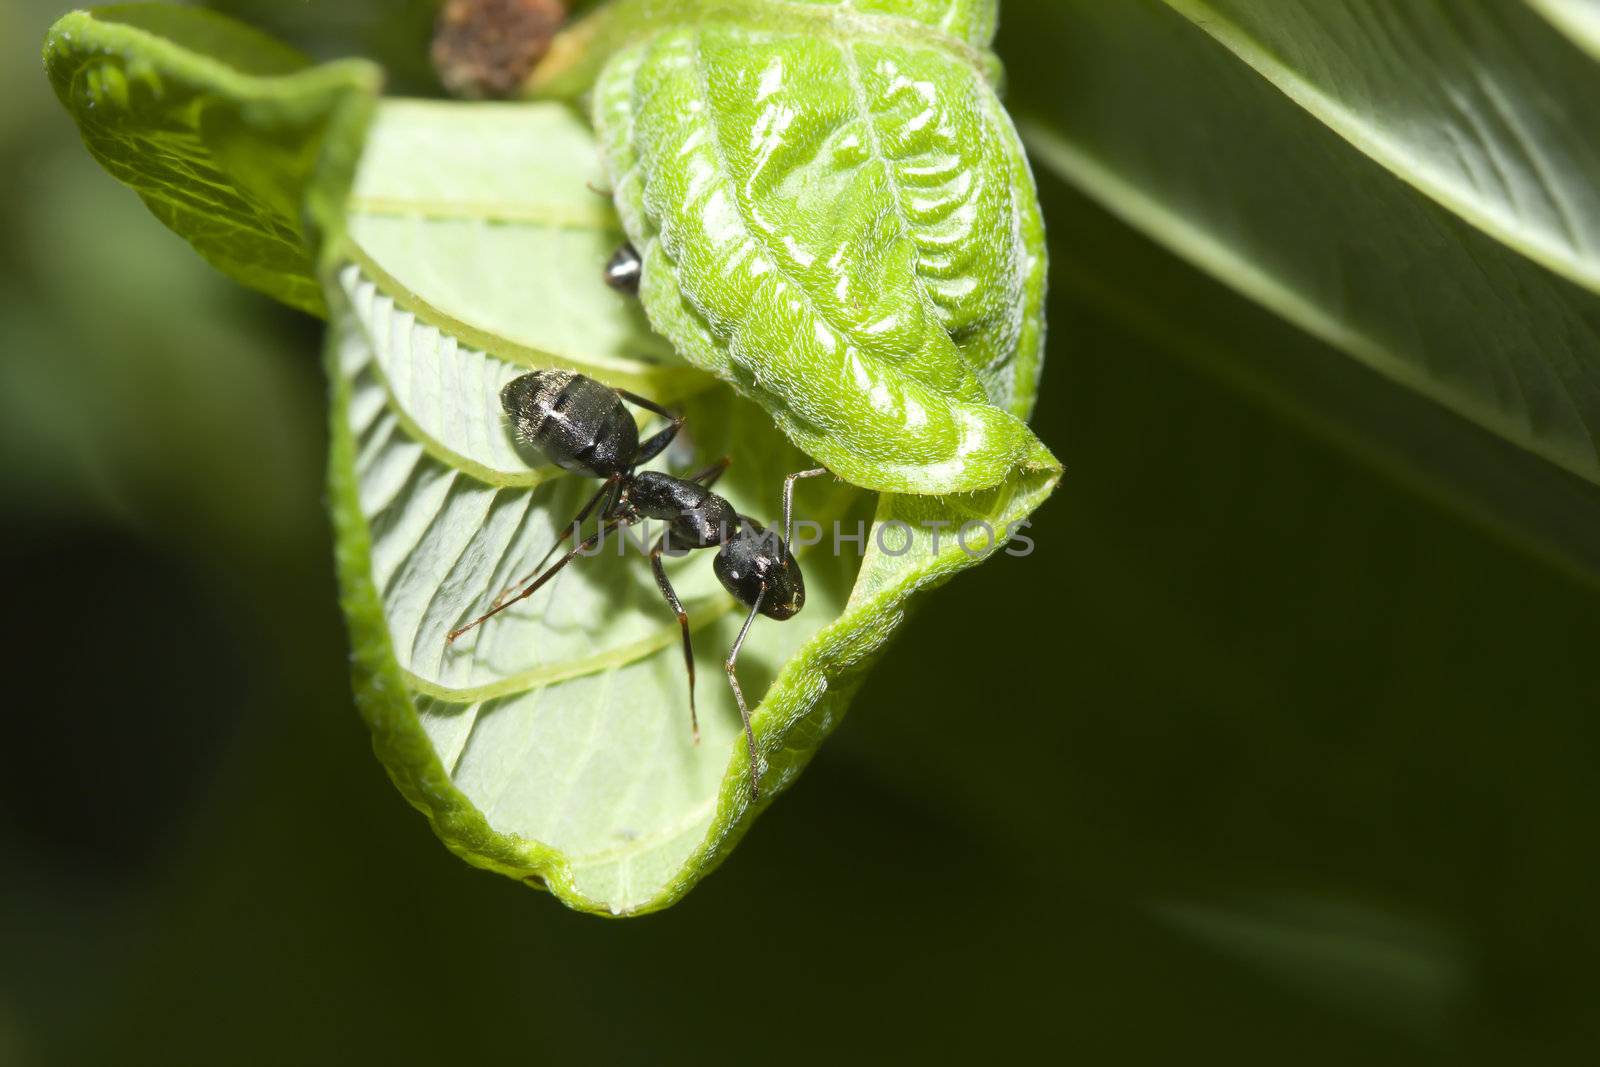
x: 582, y: 426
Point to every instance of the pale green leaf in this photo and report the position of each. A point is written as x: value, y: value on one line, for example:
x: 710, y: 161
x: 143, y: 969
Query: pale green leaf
x: 1155, y: 119
x: 553, y: 744
x: 233, y: 140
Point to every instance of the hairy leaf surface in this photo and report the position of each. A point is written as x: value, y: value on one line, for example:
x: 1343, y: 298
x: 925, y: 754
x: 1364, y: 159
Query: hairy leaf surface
x: 836, y: 216
x: 553, y: 744
x: 233, y: 140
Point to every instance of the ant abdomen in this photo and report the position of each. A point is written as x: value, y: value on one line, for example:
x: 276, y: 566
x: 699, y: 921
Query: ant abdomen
x: 575, y: 422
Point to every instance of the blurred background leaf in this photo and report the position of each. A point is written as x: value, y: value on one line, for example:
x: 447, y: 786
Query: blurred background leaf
x: 1384, y: 180
x: 394, y: 32
x: 1308, y: 774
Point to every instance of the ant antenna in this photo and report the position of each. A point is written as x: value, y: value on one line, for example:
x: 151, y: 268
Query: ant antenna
x: 788, y: 506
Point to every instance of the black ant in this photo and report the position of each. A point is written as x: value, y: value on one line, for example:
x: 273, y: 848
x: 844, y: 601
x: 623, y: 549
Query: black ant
x: 624, y: 269
x: 582, y: 426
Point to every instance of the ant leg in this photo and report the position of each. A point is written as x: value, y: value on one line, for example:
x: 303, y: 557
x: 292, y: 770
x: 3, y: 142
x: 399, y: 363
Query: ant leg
x: 566, y: 532
x: 683, y: 623
x: 649, y: 405
x: 738, y: 694
x: 537, y: 583
x: 788, y: 504
x: 709, y: 476
x: 657, y: 444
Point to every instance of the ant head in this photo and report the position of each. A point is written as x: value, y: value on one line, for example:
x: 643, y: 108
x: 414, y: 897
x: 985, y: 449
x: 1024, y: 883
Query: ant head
x: 756, y: 558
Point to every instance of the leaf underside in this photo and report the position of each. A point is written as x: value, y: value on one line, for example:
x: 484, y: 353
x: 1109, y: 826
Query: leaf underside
x: 553, y: 744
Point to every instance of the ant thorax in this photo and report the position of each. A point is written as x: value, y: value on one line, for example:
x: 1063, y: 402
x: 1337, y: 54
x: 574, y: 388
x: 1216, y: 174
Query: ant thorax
x: 695, y: 516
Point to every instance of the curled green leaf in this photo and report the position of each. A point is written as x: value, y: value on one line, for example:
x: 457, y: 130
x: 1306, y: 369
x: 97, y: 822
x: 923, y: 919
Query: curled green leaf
x: 553, y: 745
x: 233, y: 140
x: 837, y: 217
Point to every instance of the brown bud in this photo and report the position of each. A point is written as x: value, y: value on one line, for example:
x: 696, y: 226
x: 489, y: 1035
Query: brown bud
x: 487, y: 48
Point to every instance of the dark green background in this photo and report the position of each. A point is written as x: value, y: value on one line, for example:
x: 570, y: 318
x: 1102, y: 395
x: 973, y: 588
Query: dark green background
x: 1260, y: 754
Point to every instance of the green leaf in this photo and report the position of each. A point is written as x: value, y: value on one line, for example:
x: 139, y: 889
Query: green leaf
x: 1163, y: 303
x: 1440, y: 229
x: 230, y: 138
x: 553, y: 744
x: 582, y: 50
x: 836, y: 216
x: 1451, y: 98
